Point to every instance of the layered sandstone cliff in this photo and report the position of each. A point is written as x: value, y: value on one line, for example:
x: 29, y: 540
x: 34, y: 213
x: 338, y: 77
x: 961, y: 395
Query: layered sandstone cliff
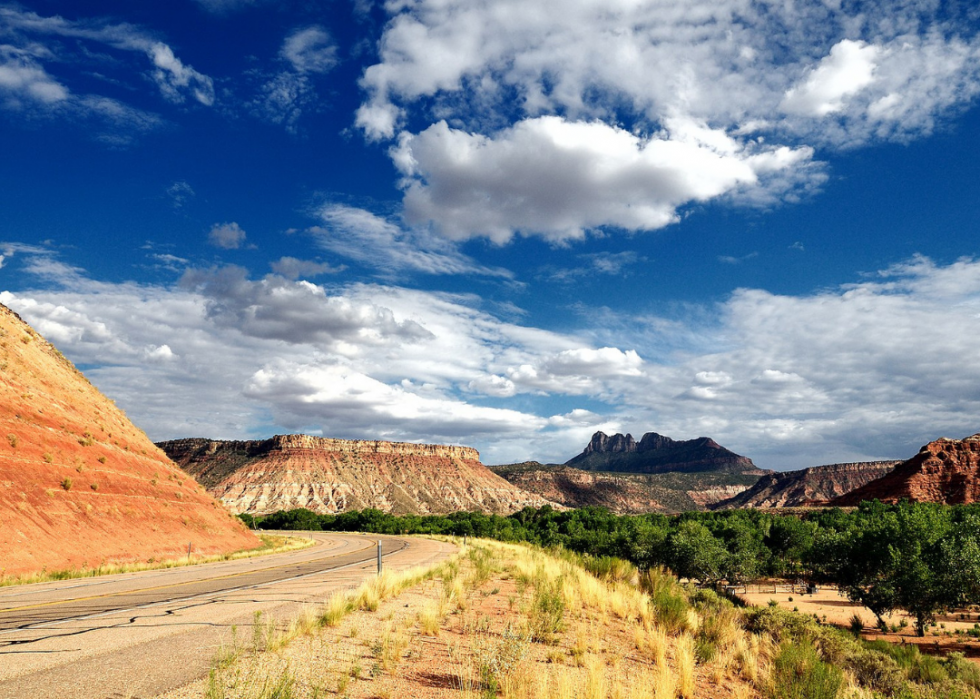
x: 655, y: 453
x: 80, y: 485
x: 808, y: 486
x: 335, y: 475
x: 624, y: 493
x: 946, y: 470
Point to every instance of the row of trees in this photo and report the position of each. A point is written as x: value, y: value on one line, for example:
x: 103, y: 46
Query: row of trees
x: 920, y: 557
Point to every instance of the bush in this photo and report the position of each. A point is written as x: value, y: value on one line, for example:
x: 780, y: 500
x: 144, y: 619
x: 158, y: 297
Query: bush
x: 66, y: 483
x: 668, y: 599
x: 959, y: 668
x: 798, y: 673
x: 876, y: 671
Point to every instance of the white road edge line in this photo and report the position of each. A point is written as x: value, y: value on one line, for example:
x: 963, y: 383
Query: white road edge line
x: 49, y: 624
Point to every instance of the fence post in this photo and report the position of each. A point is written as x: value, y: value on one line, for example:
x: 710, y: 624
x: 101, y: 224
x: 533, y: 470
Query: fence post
x: 379, y: 556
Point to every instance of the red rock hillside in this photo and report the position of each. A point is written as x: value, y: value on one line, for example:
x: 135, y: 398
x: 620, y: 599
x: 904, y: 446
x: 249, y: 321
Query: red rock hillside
x: 334, y: 475
x: 943, y: 471
x: 81, y: 486
x: 809, y: 486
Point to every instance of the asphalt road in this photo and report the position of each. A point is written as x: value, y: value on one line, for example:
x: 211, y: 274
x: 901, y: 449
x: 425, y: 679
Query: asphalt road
x: 141, y: 634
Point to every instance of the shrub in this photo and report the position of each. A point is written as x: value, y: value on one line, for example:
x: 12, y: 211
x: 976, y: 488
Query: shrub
x: 66, y: 483
x: 959, y: 668
x: 668, y: 599
x: 875, y: 670
x: 12, y: 438
x: 857, y: 625
x: 798, y: 673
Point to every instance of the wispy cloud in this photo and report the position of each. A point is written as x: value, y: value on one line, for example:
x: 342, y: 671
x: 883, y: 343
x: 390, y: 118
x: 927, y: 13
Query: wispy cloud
x: 731, y: 260
x: 286, y: 95
x: 389, y: 248
x: 37, y: 45
x: 228, y: 236
x: 615, y: 264
x: 294, y: 268
x: 180, y: 193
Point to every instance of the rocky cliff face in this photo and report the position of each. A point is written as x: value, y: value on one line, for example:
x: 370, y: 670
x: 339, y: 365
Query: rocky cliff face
x: 808, y: 486
x: 80, y: 485
x: 656, y: 453
x: 335, y: 475
x: 946, y: 470
x: 624, y: 493
x: 576, y: 488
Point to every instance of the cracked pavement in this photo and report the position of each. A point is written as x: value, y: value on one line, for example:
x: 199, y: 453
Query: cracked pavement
x: 141, y: 634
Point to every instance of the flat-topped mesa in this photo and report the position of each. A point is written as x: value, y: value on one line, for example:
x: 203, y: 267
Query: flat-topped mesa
x: 283, y: 442
x: 655, y: 453
x: 945, y: 470
x: 335, y: 475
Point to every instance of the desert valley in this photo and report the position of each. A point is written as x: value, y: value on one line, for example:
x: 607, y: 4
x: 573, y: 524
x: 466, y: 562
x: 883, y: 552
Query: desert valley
x: 590, y: 608
x: 489, y: 349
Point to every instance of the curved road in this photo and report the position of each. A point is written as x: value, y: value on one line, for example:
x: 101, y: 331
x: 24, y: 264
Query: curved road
x: 141, y: 634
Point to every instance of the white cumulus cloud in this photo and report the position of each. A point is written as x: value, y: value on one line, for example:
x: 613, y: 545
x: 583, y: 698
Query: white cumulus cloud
x: 558, y: 178
x: 847, y: 70
x: 501, y: 115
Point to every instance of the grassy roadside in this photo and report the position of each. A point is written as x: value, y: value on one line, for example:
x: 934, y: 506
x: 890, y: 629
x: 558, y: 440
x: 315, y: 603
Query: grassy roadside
x: 511, y: 621
x: 271, y: 543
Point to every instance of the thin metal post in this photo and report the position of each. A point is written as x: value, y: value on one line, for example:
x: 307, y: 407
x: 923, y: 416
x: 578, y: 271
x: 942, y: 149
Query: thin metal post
x: 188, y: 550
x: 379, y: 556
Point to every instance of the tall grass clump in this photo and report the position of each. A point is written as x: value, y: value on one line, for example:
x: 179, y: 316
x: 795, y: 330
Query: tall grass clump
x: 547, y: 610
x: 668, y: 599
x: 684, y: 655
x: 799, y: 673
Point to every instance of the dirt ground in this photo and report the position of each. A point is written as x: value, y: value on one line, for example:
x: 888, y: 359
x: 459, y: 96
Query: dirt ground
x: 833, y: 606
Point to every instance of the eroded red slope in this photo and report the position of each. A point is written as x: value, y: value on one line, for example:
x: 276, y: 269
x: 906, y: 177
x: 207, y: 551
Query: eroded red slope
x: 80, y: 485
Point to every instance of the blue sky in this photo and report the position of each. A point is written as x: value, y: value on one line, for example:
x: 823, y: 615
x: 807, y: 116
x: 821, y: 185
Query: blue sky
x: 507, y: 224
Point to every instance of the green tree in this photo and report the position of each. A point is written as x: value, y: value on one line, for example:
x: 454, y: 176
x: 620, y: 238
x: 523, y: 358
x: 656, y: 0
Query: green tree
x: 695, y: 553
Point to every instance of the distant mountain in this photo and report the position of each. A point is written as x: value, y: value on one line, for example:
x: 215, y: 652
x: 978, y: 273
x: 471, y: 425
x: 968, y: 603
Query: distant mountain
x: 655, y: 453
x: 808, y: 486
x: 80, y: 485
x: 624, y: 493
x: 335, y: 475
x: 946, y: 470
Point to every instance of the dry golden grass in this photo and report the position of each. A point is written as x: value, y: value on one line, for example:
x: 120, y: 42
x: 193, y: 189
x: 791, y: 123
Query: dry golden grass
x: 502, y: 620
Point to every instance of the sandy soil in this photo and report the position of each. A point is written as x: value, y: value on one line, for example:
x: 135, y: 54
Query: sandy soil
x: 833, y: 607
